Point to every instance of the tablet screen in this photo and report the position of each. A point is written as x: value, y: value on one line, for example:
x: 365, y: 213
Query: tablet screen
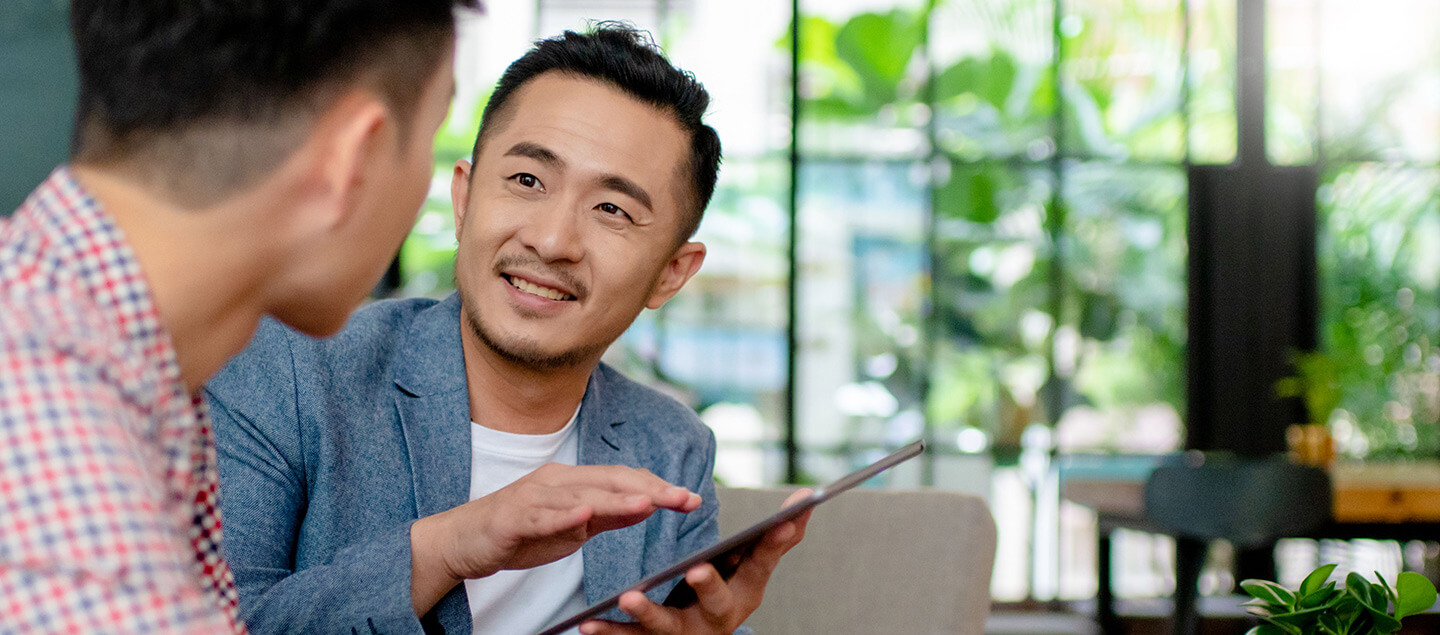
x: 727, y: 554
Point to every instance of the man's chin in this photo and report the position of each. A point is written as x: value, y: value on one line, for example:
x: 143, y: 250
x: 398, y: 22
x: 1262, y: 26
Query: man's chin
x: 527, y: 351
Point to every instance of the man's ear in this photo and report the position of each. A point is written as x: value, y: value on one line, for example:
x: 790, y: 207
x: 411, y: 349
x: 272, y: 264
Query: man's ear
x: 460, y: 192
x: 682, y: 265
x: 358, y: 138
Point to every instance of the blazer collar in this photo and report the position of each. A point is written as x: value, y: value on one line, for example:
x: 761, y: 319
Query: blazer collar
x: 431, y: 360
x: 605, y: 438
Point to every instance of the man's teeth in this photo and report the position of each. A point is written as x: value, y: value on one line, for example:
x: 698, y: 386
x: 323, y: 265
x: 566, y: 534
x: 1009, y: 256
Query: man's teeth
x: 535, y: 289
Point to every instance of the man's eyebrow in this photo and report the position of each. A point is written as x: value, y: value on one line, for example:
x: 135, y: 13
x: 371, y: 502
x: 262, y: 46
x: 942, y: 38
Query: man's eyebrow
x: 627, y: 187
x: 537, y: 152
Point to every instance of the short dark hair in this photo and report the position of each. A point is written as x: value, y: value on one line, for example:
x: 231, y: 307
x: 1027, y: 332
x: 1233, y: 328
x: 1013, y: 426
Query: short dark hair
x: 627, y: 58
x: 233, y: 84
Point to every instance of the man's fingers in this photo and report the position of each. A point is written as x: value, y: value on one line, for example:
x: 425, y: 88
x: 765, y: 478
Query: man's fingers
x: 652, y: 616
x: 796, y: 496
x: 715, y: 600
x: 750, y: 579
x: 803, y: 520
x: 625, y: 481
x: 610, y: 628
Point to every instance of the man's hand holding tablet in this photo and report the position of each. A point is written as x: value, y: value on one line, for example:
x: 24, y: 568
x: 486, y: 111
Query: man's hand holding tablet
x: 723, y: 602
x: 725, y: 583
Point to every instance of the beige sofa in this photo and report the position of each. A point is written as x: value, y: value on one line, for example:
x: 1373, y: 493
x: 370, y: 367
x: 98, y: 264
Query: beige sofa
x: 876, y: 561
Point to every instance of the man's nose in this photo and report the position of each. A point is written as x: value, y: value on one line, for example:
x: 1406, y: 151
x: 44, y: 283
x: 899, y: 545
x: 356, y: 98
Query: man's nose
x: 554, y: 232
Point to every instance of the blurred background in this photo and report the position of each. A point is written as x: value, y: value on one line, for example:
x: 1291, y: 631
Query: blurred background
x: 1002, y: 226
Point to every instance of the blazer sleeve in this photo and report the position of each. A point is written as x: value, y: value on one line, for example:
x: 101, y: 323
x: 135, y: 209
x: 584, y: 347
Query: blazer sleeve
x: 365, y: 588
x: 702, y: 527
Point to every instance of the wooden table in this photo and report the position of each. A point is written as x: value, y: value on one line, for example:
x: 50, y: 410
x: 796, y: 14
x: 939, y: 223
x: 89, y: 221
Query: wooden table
x: 1382, y: 501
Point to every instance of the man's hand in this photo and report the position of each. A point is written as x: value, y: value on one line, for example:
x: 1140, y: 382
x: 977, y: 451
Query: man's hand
x: 723, y: 605
x: 542, y: 517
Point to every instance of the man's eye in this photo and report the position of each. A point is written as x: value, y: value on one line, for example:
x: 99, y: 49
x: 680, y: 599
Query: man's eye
x: 611, y: 208
x: 526, y: 180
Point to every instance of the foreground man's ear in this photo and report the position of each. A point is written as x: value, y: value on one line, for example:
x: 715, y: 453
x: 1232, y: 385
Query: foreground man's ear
x: 682, y: 266
x: 460, y: 192
x: 355, y: 137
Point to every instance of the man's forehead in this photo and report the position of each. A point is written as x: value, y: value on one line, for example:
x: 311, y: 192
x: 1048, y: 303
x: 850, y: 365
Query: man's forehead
x: 561, y: 112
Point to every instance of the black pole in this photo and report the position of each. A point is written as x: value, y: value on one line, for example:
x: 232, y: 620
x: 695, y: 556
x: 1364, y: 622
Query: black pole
x: 792, y: 335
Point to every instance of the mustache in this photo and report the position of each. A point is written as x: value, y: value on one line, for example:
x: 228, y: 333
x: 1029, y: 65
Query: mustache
x: 538, y: 267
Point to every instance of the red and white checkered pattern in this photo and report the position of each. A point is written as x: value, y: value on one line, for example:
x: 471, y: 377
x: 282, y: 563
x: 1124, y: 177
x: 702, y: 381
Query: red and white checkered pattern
x: 108, y: 516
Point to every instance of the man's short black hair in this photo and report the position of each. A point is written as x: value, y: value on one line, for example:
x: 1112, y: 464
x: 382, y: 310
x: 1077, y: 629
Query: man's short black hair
x: 627, y: 58
x: 209, y: 95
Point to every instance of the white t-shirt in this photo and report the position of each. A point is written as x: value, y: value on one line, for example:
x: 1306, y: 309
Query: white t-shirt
x: 526, y: 601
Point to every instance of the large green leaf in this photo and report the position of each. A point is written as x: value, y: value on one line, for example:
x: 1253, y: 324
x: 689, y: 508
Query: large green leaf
x: 991, y: 79
x: 1321, y: 596
x: 1270, y: 592
x: 879, y: 47
x: 1358, y: 587
x: 1316, y: 579
x: 1415, y: 594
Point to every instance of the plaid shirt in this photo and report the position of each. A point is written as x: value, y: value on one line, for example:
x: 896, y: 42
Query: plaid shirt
x: 108, y: 516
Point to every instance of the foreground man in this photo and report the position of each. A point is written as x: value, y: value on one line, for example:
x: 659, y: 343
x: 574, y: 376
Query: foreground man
x: 348, y: 463
x: 231, y: 160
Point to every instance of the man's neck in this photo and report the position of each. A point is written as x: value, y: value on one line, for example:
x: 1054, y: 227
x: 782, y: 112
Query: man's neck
x: 511, y: 398
x: 203, y: 271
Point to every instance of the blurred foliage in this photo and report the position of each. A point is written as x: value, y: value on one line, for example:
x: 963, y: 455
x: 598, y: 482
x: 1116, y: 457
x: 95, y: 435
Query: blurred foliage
x: 1046, y: 297
x: 1380, y: 297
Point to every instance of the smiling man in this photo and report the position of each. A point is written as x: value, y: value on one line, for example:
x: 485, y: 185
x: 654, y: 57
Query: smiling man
x: 455, y: 464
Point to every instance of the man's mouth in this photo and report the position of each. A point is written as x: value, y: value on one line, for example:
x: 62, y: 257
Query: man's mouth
x: 537, y: 290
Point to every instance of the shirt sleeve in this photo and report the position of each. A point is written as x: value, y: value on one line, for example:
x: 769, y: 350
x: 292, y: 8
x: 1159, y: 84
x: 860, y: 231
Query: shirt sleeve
x: 91, y: 538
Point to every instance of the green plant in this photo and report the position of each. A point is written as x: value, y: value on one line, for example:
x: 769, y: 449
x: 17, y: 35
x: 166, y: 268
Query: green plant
x: 1361, y: 607
x: 1316, y: 381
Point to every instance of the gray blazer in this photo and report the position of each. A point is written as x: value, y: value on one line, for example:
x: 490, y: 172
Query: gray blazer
x: 330, y: 449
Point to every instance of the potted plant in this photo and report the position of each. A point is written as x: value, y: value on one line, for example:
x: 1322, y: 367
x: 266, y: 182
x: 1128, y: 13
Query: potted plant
x: 1319, y: 606
x: 1317, y: 383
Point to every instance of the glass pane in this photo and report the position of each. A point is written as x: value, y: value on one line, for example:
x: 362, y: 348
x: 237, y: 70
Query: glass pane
x: 862, y: 74
x: 1292, y: 95
x: 994, y: 89
x: 1380, y: 83
x: 1120, y: 349
x: 1121, y: 79
x: 735, y: 48
x: 1212, y: 81
x: 862, y: 295
x: 993, y: 317
x: 1379, y: 253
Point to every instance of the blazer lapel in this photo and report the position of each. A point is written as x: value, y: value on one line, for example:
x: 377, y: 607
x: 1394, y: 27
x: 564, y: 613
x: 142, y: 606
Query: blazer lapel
x: 434, y: 408
x: 613, y: 558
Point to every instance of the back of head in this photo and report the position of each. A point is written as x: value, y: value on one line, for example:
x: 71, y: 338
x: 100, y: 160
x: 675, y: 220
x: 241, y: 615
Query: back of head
x: 627, y: 58
x: 200, y: 98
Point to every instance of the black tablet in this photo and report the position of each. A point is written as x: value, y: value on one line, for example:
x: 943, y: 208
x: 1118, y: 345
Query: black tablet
x: 727, y: 554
